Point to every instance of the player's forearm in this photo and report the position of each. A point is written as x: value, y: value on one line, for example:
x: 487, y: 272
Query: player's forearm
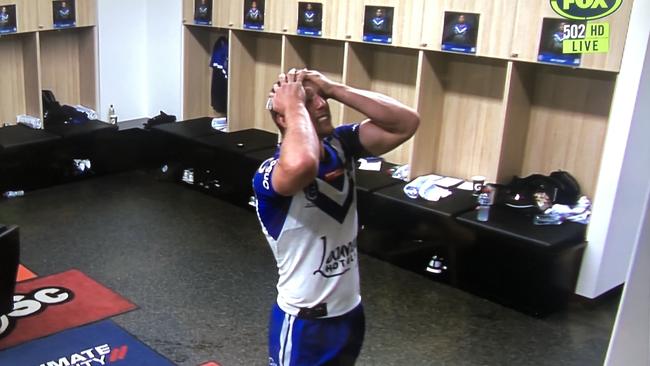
x: 383, y: 111
x: 300, y: 150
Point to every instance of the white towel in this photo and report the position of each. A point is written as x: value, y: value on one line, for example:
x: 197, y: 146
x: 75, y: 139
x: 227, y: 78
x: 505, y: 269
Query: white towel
x: 412, y: 190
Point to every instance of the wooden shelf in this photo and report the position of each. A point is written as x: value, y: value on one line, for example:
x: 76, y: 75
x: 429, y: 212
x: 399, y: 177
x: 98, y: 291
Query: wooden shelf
x: 461, y: 109
x: 39, y: 57
x: 258, y: 62
x: 68, y: 65
x: 20, y: 81
x: 386, y: 70
x: 564, y: 115
x: 197, y: 73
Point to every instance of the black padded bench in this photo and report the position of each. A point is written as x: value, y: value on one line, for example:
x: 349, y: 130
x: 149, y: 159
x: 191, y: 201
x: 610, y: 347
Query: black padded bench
x: 188, y: 129
x: 412, y: 232
x: 81, y: 141
x: 74, y: 131
x: 232, y: 159
x: 25, y: 156
x: 220, y: 161
x: 529, y: 267
x: 178, y: 139
x: 507, y: 259
x: 23, y: 139
x: 9, y: 257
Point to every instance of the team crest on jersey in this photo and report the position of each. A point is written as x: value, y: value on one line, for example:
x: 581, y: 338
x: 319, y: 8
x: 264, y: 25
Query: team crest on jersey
x: 311, y: 191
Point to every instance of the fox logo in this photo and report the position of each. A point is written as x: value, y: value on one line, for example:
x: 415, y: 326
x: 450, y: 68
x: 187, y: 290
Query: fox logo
x: 585, y: 9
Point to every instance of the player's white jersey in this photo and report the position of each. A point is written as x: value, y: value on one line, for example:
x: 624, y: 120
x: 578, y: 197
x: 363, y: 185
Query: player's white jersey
x: 313, y: 234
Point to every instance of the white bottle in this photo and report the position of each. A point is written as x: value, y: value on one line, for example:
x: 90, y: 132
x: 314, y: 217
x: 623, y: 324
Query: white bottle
x: 12, y: 194
x: 112, y: 117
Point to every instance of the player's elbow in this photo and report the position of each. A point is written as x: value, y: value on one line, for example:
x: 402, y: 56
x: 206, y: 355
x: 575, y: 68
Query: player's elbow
x: 414, y: 122
x: 410, y: 124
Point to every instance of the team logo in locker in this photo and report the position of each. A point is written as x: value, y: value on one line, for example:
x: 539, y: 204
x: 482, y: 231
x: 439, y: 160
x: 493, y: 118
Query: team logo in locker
x: 585, y: 9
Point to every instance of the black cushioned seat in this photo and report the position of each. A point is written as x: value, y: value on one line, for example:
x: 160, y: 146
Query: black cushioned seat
x: 241, y: 142
x: 9, y: 256
x: 370, y: 181
x: 459, y: 202
x: 189, y: 129
x: 516, y: 263
x: 15, y: 138
x: 517, y: 225
x: 78, y: 130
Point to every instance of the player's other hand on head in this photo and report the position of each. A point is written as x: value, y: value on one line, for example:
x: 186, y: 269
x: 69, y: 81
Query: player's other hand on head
x: 321, y: 84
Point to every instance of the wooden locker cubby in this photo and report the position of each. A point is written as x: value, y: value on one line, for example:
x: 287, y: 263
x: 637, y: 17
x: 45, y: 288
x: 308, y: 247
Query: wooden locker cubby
x: 85, y: 14
x: 528, y: 26
x: 258, y: 62
x: 198, y: 42
x: 387, y: 70
x: 20, y: 77
x: 63, y: 61
x: 326, y: 56
x: 496, y: 19
x: 562, y: 115
x: 26, y: 14
x: 461, y: 107
x: 68, y: 65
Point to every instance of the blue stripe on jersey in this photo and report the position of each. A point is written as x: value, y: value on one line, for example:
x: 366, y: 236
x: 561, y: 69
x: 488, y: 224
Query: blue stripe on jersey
x: 272, y: 207
x: 349, y: 137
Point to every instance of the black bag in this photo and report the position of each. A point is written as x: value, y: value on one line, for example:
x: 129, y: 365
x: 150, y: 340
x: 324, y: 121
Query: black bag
x: 56, y: 114
x: 159, y: 119
x: 560, y: 186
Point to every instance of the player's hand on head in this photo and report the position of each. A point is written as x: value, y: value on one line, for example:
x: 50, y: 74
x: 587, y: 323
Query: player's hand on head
x: 322, y: 85
x: 287, y: 92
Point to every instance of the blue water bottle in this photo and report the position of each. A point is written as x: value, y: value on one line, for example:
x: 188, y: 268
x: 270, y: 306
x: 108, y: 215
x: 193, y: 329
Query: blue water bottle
x: 483, y: 209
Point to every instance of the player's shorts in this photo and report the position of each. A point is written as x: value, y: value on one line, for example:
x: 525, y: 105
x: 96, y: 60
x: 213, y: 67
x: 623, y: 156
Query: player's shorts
x: 295, y: 341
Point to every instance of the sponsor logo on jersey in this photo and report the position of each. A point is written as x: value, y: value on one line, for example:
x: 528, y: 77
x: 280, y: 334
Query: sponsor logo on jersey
x: 338, y: 260
x: 331, y: 176
x: 266, y: 170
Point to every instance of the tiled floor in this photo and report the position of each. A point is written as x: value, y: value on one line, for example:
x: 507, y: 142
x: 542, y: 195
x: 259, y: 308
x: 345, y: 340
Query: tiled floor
x: 204, y: 279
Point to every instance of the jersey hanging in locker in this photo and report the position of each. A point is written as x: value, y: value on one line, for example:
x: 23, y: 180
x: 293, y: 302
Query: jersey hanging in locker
x: 219, y: 64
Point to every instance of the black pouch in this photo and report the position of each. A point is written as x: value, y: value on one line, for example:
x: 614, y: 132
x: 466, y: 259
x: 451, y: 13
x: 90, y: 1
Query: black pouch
x: 560, y: 186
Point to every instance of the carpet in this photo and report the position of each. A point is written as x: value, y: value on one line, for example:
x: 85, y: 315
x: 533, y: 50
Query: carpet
x: 102, y: 343
x: 50, y: 304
